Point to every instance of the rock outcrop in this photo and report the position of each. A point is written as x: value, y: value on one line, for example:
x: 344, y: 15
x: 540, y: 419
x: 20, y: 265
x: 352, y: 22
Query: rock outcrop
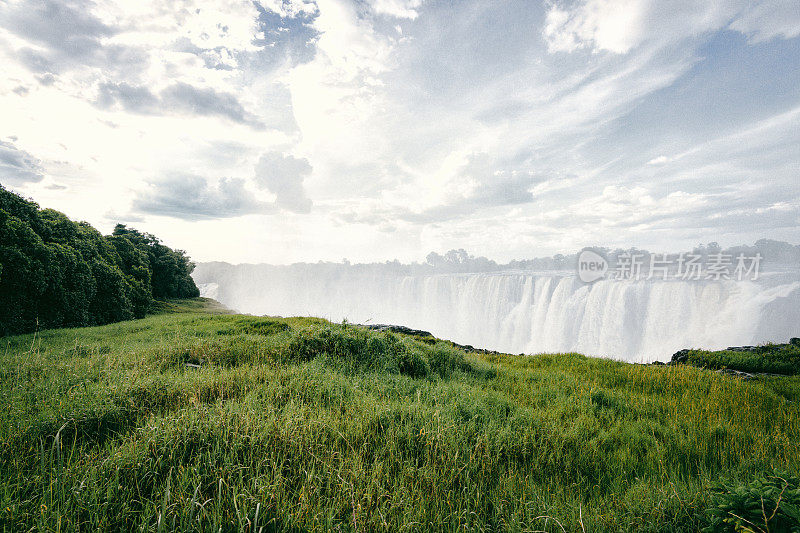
x: 427, y: 336
x: 398, y: 329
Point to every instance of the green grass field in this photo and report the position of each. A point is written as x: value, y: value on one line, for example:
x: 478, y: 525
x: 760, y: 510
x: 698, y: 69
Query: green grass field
x: 769, y: 358
x: 198, y: 420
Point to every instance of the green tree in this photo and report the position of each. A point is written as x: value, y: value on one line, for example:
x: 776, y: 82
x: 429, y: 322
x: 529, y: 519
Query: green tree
x: 170, y: 269
x: 55, y: 272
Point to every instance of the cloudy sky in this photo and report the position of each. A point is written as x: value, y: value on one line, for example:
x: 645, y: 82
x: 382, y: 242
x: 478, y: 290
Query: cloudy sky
x: 291, y: 130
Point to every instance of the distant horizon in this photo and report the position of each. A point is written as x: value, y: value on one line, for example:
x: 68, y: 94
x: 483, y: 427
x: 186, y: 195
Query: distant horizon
x: 567, y: 255
x: 422, y: 261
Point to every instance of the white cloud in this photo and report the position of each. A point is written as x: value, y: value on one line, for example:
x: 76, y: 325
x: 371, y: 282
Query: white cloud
x: 208, y: 24
x: 660, y: 160
x: 18, y: 166
x: 406, y: 9
x: 614, y: 25
x: 619, y: 26
x: 192, y: 197
x: 767, y: 20
x: 283, y: 176
x: 508, y: 131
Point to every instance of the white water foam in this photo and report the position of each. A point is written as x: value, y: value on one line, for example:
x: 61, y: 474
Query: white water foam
x: 525, y: 312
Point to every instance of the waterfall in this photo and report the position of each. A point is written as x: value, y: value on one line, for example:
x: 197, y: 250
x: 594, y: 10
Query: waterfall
x: 524, y: 312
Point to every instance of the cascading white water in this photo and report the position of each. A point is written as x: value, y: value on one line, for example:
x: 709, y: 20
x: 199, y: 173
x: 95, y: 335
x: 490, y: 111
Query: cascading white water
x: 524, y: 312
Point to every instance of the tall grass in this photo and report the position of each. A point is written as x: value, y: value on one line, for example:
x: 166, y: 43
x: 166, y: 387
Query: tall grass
x: 193, y: 420
x: 771, y: 358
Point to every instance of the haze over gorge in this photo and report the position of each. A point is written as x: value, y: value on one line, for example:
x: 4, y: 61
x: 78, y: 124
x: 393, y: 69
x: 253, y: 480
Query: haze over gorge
x: 528, y: 306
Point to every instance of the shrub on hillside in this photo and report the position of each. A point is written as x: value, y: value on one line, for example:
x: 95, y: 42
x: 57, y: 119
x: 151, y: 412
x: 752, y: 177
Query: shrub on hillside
x: 356, y: 347
x: 254, y: 326
x: 766, y: 503
x: 771, y: 358
x: 445, y: 359
x: 367, y: 350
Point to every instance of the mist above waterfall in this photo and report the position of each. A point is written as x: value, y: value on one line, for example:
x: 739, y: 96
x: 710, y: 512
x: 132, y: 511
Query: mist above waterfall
x: 529, y: 306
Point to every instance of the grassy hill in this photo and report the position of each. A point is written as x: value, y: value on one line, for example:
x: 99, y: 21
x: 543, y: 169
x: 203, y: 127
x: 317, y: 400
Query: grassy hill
x: 768, y: 358
x: 196, y: 419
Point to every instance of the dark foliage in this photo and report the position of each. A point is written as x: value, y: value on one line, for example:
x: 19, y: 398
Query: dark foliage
x: 58, y: 273
x: 763, y: 504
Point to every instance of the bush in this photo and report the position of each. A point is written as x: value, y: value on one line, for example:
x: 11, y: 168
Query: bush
x: 766, y: 503
x: 771, y: 358
x: 445, y: 359
x: 254, y: 326
x: 412, y: 364
x: 357, y: 348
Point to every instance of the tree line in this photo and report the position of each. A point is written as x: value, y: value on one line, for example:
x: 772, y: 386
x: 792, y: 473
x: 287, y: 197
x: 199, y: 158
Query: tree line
x: 55, y: 272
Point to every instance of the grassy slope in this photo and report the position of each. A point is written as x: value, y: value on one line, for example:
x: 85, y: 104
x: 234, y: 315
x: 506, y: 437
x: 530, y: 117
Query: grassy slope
x: 770, y: 358
x: 106, y: 428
